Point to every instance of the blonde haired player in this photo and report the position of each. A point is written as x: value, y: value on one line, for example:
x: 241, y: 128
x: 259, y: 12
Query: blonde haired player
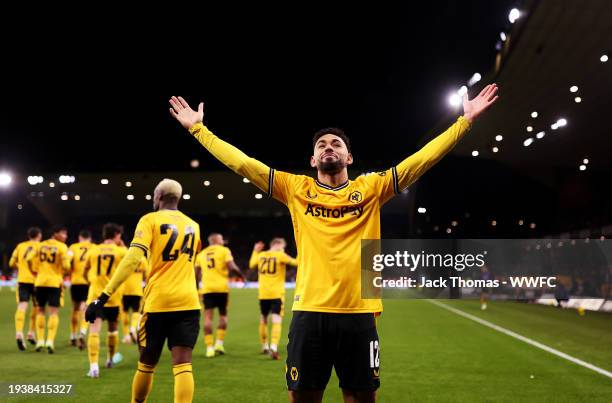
x: 271, y: 266
x: 171, y: 307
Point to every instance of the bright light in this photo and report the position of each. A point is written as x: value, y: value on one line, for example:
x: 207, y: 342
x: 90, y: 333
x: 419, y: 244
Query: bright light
x: 529, y: 129
x: 195, y: 163
x: 603, y: 58
x: 540, y: 134
x: 448, y: 230
x: 454, y: 223
x: 528, y: 142
x: 64, y: 197
x: 493, y: 223
x: 51, y: 184
x: 19, y: 206
x: 422, y: 210
x: 104, y: 181
x: 514, y: 15
x: 534, y: 114
x: 454, y: 100
x: 554, y: 126
x: 583, y: 167
x: 66, y: 179
x: 258, y: 196
x: 561, y: 122
x: 148, y: 197
x: 130, y: 197
x: 5, y: 179
x: 474, y: 79
x: 245, y: 180
x: 128, y: 184
x: 577, y: 100
x: 521, y: 222
x: 462, y: 91
x: 34, y: 180
x: 186, y: 196
x: 502, y: 36
x: 495, y: 149
x: 585, y: 161
x: 220, y: 196
x: 573, y: 88
x: 206, y: 183
x: 77, y: 197
x: 474, y: 153
x: 532, y: 225
x: 499, y: 137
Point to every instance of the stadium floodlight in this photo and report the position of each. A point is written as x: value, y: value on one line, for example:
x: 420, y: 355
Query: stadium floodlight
x: 35, y: 180
x: 495, y: 149
x: 258, y: 196
x: 540, y: 134
x: 454, y: 100
x: 462, y: 91
x: 77, y: 197
x: 577, y: 100
x: 64, y: 197
x: 186, y: 196
x: 148, y: 197
x: 585, y: 161
x: 529, y: 129
x: 128, y: 184
x: 51, y: 184
x: 474, y: 79
x: 5, y: 179
x: 528, y: 142
x: 206, y: 183
x: 603, y: 58
x: 448, y: 230
x: 583, y: 167
x: 422, y: 210
x: 534, y: 114
x: 502, y: 36
x: 514, y: 15
x: 521, y: 222
x: 245, y: 180
x: 475, y: 153
x: 493, y: 223
x: 19, y: 206
x: 554, y: 126
x: 220, y: 196
x: 454, y: 223
x: 532, y: 225
x: 66, y: 179
x: 561, y: 122
x: 574, y: 88
x: 130, y: 197
x: 104, y: 181
x: 195, y: 163
x: 499, y: 137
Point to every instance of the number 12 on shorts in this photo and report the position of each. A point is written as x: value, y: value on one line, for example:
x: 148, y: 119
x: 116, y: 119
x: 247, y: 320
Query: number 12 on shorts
x: 374, y: 360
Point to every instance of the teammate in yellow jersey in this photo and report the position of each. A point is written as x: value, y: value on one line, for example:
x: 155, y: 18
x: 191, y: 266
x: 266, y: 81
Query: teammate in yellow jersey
x: 132, y: 295
x: 332, y: 325
x: 22, y: 261
x: 271, y: 266
x: 52, y: 262
x: 79, y: 287
x: 102, y: 262
x: 213, y: 266
x: 171, y: 307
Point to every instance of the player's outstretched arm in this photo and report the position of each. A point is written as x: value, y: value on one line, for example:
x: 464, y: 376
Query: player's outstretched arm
x: 233, y: 158
x: 258, y: 247
x: 414, y: 166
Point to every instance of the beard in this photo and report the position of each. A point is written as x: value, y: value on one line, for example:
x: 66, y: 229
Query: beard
x: 330, y: 167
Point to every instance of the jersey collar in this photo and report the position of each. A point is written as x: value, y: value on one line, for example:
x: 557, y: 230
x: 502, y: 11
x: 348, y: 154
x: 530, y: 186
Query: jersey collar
x: 324, y: 186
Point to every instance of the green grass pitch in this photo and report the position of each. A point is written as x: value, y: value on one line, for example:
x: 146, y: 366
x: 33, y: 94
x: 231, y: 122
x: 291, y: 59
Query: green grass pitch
x: 427, y: 355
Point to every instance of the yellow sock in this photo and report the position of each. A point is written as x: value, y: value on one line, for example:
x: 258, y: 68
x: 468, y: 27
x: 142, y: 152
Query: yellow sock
x: 209, y: 340
x: 74, y: 323
x: 263, y: 333
x: 52, y: 326
x: 276, y: 333
x: 125, y: 322
x: 93, y: 347
x: 183, y: 383
x: 112, y: 344
x: 19, y: 320
x: 32, y: 326
x: 135, y: 320
x: 40, y: 327
x: 220, y: 334
x: 143, y: 380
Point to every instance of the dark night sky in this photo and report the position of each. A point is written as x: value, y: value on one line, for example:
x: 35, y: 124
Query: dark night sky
x: 269, y: 82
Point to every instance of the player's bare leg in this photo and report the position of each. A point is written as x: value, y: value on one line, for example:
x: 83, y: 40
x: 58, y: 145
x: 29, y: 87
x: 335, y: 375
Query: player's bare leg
x: 359, y: 396
x: 221, y: 329
x: 112, y: 344
x: 208, y: 332
x: 82, y: 325
x: 183, y: 374
x: 263, y: 334
x: 277, y: 321
x: 93, y: 348
x: 20, y: 315
x: 306, y: 396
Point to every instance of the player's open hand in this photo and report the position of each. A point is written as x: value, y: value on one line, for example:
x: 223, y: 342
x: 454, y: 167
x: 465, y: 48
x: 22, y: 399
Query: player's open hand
x: 472, y: 109
x: 258, y: 247
x: 182, y: 112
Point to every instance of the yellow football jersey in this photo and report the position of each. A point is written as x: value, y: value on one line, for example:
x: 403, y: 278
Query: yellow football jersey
x: 52, y: 260
x: 22, y: 257
x: 133, y: 285
x: 103, y: 261
x: 329, y: 223
x: 171, y: 241
x: 79, y: 260
x: 272, y: 267
x: 215, y: 274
